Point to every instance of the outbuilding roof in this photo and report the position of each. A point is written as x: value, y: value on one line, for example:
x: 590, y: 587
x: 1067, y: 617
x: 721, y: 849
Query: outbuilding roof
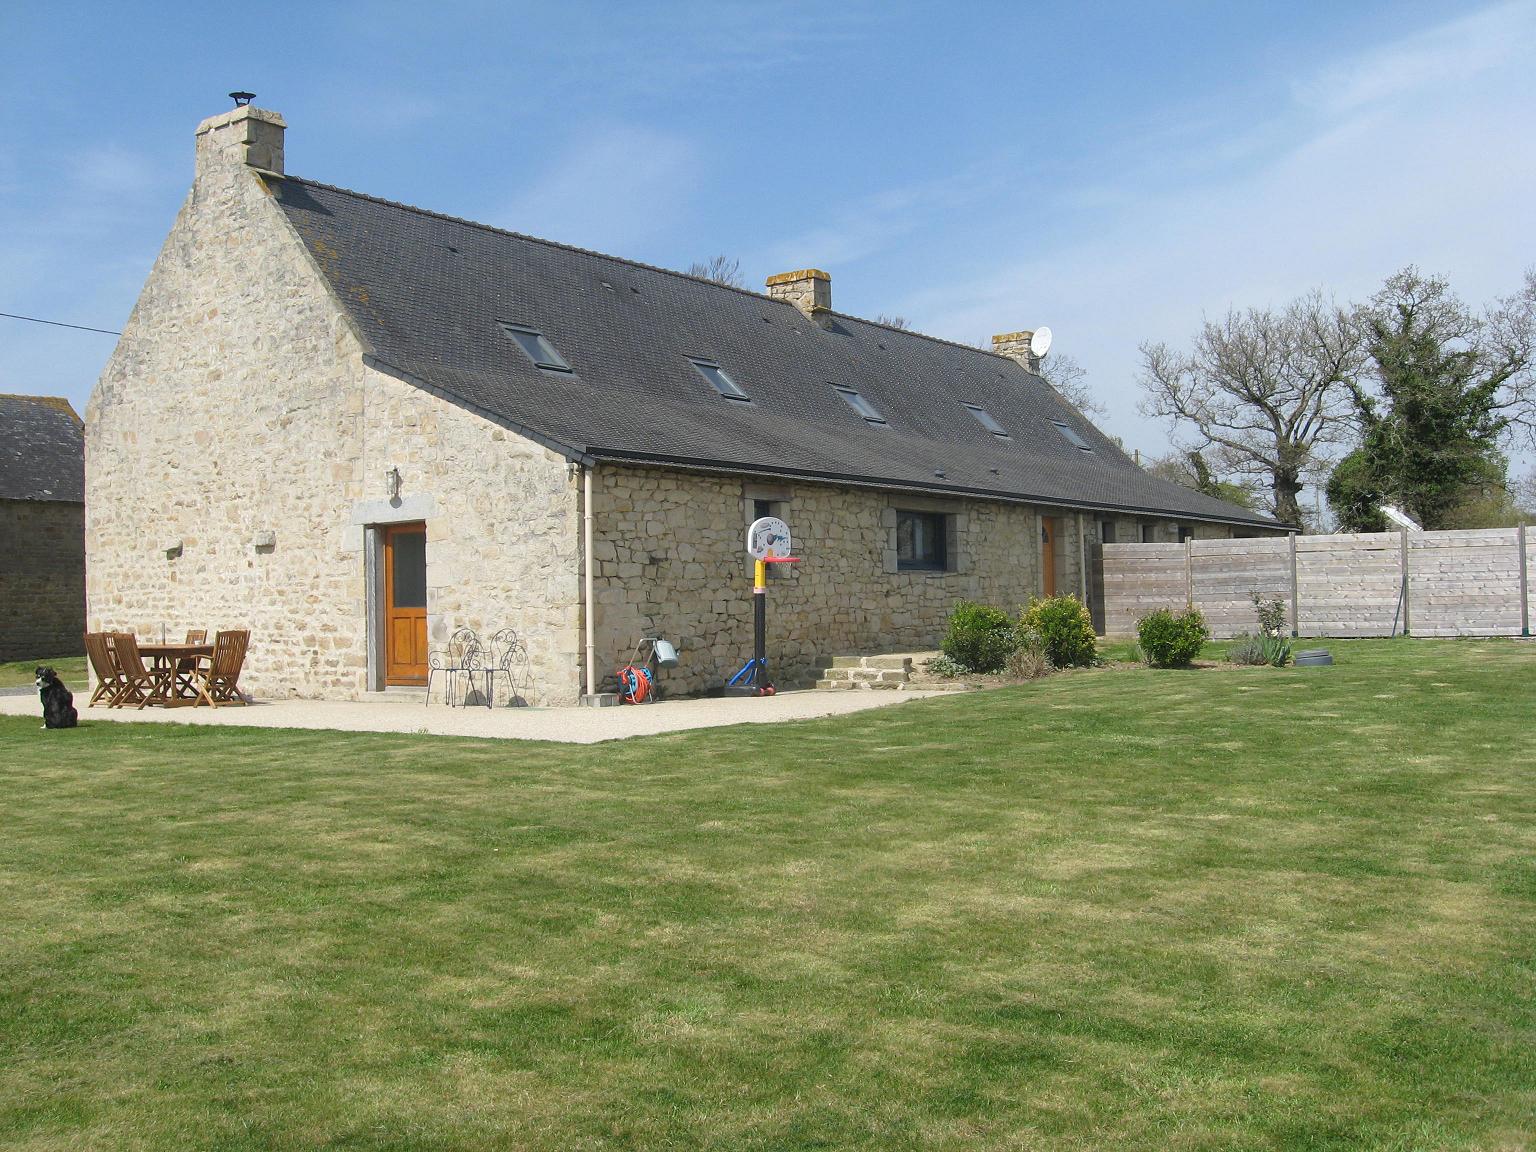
x: 42, y: 450
x: 438, y: 301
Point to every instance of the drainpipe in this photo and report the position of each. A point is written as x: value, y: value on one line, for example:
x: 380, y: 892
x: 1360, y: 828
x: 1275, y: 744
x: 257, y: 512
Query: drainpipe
x: 586, y: 557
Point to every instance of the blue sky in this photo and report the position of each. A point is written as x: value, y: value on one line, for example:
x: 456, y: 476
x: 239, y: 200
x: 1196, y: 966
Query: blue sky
x: 1117, y: 171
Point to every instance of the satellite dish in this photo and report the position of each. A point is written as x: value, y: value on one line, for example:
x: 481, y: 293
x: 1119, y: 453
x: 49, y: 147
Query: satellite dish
x: 1400, y: 518
x: 1040, y: 342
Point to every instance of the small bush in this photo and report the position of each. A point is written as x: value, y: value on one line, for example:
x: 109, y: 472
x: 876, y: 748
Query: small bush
x: 1271, y: 614
x: 1247, y: 649
x: 944, y: 667
x: 1275, y: 650
x: 979, y: 636
x: 1065, y: 628
x: 1170, y: 641
x: 1029, y: 660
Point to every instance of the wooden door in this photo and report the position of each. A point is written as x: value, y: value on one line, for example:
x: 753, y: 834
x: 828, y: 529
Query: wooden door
x: 405, y: 604
x: 1048, y: 555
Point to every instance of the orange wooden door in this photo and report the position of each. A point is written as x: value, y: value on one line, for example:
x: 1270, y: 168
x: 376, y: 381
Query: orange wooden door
x: 1048, y: 555
x: 405, y: 604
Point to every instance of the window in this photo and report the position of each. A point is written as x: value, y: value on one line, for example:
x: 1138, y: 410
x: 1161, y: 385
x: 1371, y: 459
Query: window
x: 985, y: 419
x: 1069, y: 434
x: 1149, y: 533
x: 537, y: 349
x: 860, y: 405
x: 1106, y: 531
x: 1185, y: 532
x: 920, y: 542
x: 722, y: 383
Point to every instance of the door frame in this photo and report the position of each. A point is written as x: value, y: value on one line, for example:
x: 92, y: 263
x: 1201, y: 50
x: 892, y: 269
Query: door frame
x: 375, y: 592
x: 1050, y: 539
x: 413, y: 527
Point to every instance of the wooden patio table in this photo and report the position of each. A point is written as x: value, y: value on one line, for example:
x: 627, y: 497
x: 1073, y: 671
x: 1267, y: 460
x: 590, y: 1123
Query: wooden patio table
x: 166, y: 657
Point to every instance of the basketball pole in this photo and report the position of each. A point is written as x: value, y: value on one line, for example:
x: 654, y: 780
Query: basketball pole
x: 760, y: 625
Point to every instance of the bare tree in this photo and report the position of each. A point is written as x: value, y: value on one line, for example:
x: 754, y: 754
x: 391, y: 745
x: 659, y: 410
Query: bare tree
x: 1070, y: 379
x: 722, y: 270
x: 1262, y: 394
x: 1189, y: 470
x: 893, y: 321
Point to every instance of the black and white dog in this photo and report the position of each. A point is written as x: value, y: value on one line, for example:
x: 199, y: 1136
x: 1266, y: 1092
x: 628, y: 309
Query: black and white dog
x: 58, y: 701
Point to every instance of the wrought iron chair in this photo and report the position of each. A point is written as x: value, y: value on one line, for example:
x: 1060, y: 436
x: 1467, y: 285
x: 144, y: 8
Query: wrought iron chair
x: 461, y: 657
x: 508, y: 658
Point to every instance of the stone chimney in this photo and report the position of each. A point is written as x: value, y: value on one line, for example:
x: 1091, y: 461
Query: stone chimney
x: 245, y: 135
x: 1015, y: 346
x: 809, y: 290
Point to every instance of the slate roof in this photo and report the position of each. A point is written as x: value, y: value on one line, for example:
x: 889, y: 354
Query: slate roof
x: 42, y: 450
x: 428, y: 292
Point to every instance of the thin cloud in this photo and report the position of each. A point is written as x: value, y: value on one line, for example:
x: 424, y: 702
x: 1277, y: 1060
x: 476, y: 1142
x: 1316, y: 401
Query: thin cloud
x: 1436, y: 176
x: 1444, y: 56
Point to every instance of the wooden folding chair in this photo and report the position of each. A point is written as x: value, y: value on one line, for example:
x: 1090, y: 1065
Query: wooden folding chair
x: 219, y: 682
x: 140, y: 685
x: 109, y: 677
x: 186, y: 668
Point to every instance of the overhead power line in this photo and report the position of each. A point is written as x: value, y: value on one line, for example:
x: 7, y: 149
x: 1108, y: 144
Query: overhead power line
x: 60, y: 324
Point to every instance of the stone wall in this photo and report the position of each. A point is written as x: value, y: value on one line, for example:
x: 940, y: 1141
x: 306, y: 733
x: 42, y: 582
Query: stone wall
x: 236, y: 454
x: 42, y: 579
x: 671, y: 561
x: 1351, y: 584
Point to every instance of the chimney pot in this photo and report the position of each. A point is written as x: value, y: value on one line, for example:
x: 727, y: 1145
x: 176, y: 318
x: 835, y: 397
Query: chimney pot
x: 244, y: 135
x: 809, y: 289
x: 1015, y: 346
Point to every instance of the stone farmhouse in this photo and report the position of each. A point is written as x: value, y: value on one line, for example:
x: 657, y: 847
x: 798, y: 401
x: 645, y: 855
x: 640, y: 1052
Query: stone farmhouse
x: 353, y: 426
x: 42, y: 528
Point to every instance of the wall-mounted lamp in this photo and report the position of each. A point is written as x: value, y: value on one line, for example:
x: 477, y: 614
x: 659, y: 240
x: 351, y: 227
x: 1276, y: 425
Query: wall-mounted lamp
x: 171, y: 548
x: 392, y: 483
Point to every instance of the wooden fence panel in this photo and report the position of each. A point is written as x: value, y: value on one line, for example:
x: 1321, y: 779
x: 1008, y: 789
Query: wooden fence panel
x: 1465, y: 583
x: 1459, y: 583
x: 1139, y: 578
x: 1348, y: 585
x: 1226, y: 573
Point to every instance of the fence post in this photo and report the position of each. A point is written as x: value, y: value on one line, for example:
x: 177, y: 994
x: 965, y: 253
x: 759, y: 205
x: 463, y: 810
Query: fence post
x: 1407, y: 618
x: 1295, y: 590
x: 1189, y: 573
x: 1525, y: 598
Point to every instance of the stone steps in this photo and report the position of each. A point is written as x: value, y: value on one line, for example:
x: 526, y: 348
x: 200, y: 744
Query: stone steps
x: 854, y: 673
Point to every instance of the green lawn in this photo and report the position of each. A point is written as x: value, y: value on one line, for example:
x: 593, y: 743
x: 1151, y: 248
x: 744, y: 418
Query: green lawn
x: 17, y: 673
x: 1224, y: 908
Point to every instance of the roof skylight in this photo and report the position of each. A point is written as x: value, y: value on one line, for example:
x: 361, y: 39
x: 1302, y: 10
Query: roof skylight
x: 722, y: 383
x: 860, y: 405
x: 987, y: 421
x: 1069, y: 434
x: 536, y: 348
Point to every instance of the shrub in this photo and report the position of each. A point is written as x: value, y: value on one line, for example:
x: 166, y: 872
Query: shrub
x: 1247, y: 649
x: 944, y: 667
x: 1029, y: 661
x: 1271, y: 614
x: 1065, y: 628
x: 979, y: 636
x: 1170, y: 641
